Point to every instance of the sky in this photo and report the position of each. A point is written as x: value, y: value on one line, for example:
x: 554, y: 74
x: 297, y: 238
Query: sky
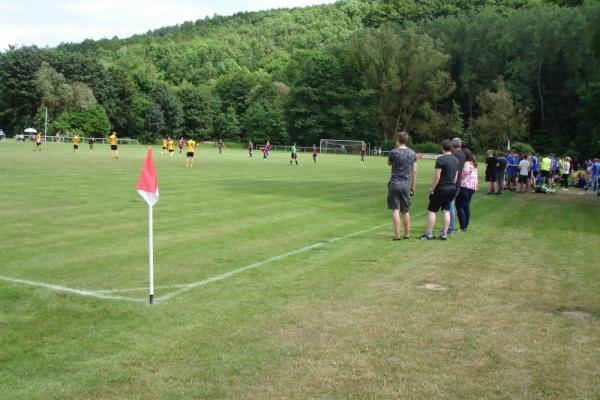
x: 48, y: 23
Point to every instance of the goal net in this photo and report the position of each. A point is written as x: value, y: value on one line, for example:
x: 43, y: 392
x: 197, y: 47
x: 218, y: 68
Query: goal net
x: 334, y: 146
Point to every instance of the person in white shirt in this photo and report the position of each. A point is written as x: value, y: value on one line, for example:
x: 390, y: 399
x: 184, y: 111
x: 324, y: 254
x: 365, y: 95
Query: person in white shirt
x: 566, y: 172
x: 524, y: 168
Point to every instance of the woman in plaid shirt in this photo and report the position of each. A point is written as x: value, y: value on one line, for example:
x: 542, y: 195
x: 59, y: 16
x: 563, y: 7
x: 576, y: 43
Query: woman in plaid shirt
x: 468, y: 185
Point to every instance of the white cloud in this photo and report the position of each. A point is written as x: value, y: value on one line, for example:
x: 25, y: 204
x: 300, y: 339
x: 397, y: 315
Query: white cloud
x: 7, y: 7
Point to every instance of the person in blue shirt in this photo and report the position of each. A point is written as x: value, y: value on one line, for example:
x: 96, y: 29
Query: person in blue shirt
x: 511, y: 171
x: 595, y: 172
x: 535, y: 169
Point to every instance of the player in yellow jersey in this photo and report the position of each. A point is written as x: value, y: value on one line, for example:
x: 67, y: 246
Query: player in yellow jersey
x: 38, y: 142
x: 171, y: 146
x: 112, y: 140
x: 76, y: 140
x: 165, y: 141
x: 190, y: 147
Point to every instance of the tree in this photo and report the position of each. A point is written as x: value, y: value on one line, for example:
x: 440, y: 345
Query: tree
x: 407, y: 70
x: 500, y: 119
x: 228, y: 126
x: 200, y: 109
x: 92, y: 121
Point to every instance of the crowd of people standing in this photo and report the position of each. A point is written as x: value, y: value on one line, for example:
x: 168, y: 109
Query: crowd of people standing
x: 455, y: 180
x: 522, y: 172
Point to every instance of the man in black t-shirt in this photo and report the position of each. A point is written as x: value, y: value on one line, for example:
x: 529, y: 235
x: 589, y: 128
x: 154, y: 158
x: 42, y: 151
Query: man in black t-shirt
x: 443, y: 191
x: 460, y: 156
x: 500, y: 169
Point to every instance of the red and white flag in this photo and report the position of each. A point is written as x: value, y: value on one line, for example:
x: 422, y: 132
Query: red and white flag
x: 147, y: 186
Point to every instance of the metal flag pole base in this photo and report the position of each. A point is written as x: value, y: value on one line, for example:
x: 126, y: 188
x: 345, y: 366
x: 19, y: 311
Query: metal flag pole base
x: 151, y: 299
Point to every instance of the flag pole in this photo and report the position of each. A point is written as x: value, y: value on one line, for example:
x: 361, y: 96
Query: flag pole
x: 151, y: 254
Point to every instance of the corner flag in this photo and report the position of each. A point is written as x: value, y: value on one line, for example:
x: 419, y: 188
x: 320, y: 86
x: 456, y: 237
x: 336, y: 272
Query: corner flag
x: 147, y: 187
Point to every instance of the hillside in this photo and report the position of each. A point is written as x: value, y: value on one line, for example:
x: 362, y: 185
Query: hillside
x: 484, y: 70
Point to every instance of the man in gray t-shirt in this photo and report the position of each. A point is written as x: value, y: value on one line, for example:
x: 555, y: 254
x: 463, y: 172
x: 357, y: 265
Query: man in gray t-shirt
x: 402, y: 183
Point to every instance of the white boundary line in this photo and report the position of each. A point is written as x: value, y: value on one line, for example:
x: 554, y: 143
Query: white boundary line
x: 182, y: 288
x: 81, y: 292
x: 139, y: 289
x: 225, y: 275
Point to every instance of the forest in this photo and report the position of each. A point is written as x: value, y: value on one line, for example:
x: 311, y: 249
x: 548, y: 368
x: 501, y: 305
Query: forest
x: 487, y: 71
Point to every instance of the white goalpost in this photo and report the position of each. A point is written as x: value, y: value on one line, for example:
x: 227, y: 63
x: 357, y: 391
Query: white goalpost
x: 336, y: 146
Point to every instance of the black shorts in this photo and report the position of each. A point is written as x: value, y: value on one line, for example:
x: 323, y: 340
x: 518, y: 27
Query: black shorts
x: 398, y: 197
x: 294, y: 156
x: 545, y: 174
x: 75, y: 146
x: 113, y: 147
x: 164, y: 148
x: 490, y: 177
x: 190, y: 154
x: 171, y: 150
x: 523, y: 178
x: 441, y: 198
x: 535, y: 174
x: 499, y: 176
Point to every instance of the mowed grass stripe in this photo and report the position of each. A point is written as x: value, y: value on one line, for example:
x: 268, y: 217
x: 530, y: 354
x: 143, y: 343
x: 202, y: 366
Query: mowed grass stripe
x: 347, y: 320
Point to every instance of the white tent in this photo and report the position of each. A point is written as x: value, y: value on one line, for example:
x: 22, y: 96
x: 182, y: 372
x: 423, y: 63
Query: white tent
x: 30, y: 130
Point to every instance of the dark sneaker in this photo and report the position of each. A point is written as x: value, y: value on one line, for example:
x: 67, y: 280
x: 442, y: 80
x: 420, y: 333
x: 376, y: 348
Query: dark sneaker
x: 443, y: 237
x: 396, y: 238
x: 426, y: 237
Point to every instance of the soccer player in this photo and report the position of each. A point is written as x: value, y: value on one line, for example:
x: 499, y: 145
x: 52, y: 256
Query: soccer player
x: 266, y: 150
x: 170, y: 146
x: 294, y: 155
x: 250, y: 148
x: 76, y: 140
x: 401, y: 186
x: 190, y: 147
x: 221, y: 146
x: 38, y: 142
x: 181, y: 143
x: 443, y: 190
x: 112, y: 140
x: 91, y: 142
x: 363, y: 151
x: 315, y: 152
x: 164, y: 146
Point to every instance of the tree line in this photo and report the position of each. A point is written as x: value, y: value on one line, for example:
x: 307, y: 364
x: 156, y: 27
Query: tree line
x: 486, y: 71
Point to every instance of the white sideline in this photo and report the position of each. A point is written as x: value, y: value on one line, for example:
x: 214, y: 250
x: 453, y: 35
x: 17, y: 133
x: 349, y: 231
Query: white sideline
x: 81, y: 292
x: 139, y: 289
x: 222, y: 276
x: 182, y: 288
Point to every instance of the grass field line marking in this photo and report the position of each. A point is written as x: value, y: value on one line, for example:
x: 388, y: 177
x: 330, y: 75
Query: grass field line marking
x: 139, y: 289
x: 267, y: 261
x: 80, y: 292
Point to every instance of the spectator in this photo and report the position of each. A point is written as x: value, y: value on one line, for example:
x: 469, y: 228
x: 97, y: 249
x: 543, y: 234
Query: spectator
x: 443, y: 191
x: 500, y: 171
x: 469, y: 185
x: 490, y: 170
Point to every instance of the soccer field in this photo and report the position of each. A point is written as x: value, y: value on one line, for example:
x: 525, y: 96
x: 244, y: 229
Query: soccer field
x: 281, y: 282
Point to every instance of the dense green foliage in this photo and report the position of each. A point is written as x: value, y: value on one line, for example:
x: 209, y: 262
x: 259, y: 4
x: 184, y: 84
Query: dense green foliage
x: 356, y: 69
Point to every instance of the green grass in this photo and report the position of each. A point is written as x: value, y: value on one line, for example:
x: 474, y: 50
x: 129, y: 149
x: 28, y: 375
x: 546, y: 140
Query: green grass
x: 346, y: 320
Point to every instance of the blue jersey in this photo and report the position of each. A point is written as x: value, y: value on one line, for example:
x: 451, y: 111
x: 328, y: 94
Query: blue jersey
x: 509, y: 161
x: 596, y: 169
x: 535, y: 164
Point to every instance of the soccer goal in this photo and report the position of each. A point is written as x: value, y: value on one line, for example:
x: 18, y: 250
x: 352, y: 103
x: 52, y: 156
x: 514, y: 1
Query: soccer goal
x: 335, y: 146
